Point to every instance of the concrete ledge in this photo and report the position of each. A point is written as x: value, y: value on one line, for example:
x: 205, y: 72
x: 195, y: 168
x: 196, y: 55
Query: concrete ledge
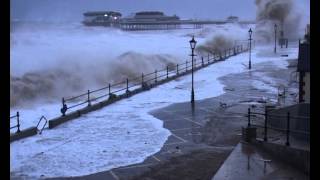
x: 23, y: 134
x: 299, y: 158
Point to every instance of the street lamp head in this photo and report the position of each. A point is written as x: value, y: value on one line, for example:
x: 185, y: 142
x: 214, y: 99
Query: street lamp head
x: 193, y: 43
x: 250, y: 31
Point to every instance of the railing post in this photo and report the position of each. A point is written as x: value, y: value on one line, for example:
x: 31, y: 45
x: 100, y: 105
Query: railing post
x: 234, y: 51
x: 186, y: 66
x: 265, y: 124
x: 18, y: 122
x: 142, y: 79
x: 177, y: 69
x: 225, y: 53
x: 241, y: 48
x: 249, y: 116
x: 155, y: 72
x: 89, y: 103
x: 127, y: 85
x: 167, y: 72
x: 288, y: 129
x: 109, y: 87
x: 208, y: 58
x: 64, y: 107
x: 202, y: 63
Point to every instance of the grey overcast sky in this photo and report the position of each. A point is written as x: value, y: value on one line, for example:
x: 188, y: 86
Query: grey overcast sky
x: 71, y: 10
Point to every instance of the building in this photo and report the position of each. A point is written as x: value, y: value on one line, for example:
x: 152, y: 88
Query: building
x: 232, y: 19
x: 102, y: 18
x: 303, y: 68
x: 154, y: 16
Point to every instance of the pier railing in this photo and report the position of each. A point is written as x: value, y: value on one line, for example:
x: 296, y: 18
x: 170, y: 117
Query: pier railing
x: 145, y: 81
x: 17, y: 117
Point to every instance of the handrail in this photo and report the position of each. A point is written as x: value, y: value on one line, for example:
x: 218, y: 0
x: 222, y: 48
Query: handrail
x: 288, y: 130
x: 17, y: 116
x: 46, y: 121
x: 155, y: 76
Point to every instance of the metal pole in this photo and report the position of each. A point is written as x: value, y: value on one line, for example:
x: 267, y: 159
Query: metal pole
x: 249, y: 115
x: 167, y: 72
x: 18, y: 122
x: 288, y: 129
x: 250, y: 52
x: 192, y: 90
x: 265, y: 124
x: 63, y: 110
x: 89, y: 103
x: 208, y: 58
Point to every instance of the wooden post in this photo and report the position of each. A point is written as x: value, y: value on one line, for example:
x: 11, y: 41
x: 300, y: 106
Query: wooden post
x: 202, y: 63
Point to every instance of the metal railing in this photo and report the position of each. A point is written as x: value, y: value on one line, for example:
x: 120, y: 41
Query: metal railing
x: 112, y: 90
x: 46, y: 121
x: 17, y: 116
x: 145, y: 81
x: 285, y: 119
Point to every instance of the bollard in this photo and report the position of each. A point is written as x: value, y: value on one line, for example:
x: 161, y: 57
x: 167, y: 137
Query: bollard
x: 288, y: 129
x: 202, y: 63
x: 18, y: 122
x: 265, y: 124
x: 177, y: 69
x: 249, y: 115
x: 167, y: 72
x: 89, y: 103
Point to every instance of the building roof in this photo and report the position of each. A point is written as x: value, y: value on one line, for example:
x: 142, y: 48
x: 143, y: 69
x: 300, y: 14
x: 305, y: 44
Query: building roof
x: 101, y: 13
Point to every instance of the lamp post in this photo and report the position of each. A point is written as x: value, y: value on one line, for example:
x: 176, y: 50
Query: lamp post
x: 275, y: 38
x: 250, y: 33
x: 192, y: 45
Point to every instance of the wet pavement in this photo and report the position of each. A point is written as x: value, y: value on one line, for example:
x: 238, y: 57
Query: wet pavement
x: 248, y: 162
x: 205, y: 134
